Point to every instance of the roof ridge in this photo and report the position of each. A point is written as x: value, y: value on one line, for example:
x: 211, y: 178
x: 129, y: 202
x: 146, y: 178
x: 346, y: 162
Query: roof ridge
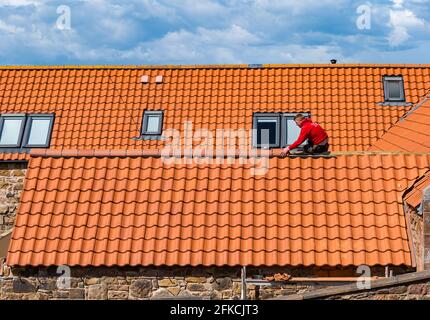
x: 157, y: 153
x: 214, y: 66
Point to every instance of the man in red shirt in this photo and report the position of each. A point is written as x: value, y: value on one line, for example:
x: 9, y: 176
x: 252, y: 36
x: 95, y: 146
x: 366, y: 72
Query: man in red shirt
x: 316, y: 135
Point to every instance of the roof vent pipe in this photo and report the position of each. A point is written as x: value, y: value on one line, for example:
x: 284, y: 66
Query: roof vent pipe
x: 333, y: 61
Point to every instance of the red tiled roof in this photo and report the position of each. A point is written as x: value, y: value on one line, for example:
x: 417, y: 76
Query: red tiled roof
x: 14, y: 156
x: 411, y: 133
x: 101, y: 107
x: 344, y: 210
x: 415, y: 195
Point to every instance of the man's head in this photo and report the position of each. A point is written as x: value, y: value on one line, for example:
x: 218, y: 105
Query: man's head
x: 299, y: 119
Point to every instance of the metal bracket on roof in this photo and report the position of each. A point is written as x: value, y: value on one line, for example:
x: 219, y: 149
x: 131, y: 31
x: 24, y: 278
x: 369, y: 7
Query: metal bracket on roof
x: 395, y: 104
x: 255, y: 66
x: 149, y: 137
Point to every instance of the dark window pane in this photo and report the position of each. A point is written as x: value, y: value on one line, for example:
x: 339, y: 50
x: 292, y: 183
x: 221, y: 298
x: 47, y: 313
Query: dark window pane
x: 266, y: 126
x: 394, y: 89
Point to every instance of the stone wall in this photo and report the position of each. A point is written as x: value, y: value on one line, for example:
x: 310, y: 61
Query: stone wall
x: 416, y: 224
x: 154, y: 282
x: 11, y: 183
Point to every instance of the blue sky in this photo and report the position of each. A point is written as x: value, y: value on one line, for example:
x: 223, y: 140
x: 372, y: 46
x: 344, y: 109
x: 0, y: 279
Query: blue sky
x: 36, y: 32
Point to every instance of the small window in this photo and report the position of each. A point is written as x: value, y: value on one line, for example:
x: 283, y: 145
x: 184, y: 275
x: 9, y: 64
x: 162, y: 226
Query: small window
x: 291, y: 131
x: 25, y: 131
x: 152, y: 123
x: 11, y: 128
x: 38, y: 131
x: 266, y: 130
x: 394, y: 89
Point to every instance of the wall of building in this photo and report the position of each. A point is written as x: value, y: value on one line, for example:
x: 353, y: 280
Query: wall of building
x: 11, y: 184
x: 416, y: 225
x: 154, y: 283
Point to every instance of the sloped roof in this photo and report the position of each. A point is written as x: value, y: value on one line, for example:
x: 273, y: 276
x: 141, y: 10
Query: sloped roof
x: 102, y: 107
x: 411, y: 133
x: 415, y: 194
x: 122, y: 210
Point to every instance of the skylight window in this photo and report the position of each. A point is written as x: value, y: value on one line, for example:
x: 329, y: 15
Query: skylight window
x: 11, y: 129
x: 38, y: 131
x: 25, y: 131
x: 290, y: 131
x: 275, y: 130
x: 152, y: 122
x: 394, y: 89
x: 266, y: 130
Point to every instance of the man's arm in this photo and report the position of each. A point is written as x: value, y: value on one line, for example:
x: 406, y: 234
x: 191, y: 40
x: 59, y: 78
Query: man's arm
x: 304, y: 132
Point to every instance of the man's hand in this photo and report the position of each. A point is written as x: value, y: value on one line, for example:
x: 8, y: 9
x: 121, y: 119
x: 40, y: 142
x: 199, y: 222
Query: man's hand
x: 285, y: 152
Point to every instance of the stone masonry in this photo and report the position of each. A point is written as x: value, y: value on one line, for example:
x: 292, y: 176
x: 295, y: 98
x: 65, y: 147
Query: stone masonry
x: 11, y: 183
x: 152, y: 283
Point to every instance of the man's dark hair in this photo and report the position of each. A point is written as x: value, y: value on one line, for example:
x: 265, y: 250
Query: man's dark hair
x: 298, y: 116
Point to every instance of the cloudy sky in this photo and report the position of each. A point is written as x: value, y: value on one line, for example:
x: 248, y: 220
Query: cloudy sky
x: 213, y: 31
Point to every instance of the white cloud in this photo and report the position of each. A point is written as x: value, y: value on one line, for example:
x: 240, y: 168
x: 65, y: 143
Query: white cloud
x: 10, y: 28
x: 401, y: 21
x: 207, y: 31
x: 19, y: 3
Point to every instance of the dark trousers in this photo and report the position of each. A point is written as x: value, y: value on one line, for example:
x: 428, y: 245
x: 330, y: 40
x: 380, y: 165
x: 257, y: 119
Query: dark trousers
x: 311, y: 149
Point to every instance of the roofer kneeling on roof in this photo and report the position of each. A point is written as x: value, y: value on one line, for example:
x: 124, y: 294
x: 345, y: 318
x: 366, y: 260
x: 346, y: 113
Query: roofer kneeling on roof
x: 316, y: 135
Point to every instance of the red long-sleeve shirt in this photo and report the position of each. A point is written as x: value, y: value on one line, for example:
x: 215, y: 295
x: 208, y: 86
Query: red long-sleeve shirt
x: 310, y: 130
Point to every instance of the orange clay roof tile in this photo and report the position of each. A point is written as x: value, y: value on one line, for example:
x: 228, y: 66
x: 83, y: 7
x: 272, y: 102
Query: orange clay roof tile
x: 107, y: 210
x: 101, y: 107
x: 411, y: 133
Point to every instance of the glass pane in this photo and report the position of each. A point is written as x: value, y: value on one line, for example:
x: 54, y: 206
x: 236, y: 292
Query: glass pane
x: 153, y: 124
x: 293, y: 132
x: 269, y: 126
x: 394, y: 89
x: 39, y: 131
x: 10, y: 132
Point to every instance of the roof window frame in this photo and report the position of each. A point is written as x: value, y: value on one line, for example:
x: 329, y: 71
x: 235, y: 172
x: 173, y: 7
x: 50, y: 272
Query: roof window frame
x: 19, y: 116
x: 387, y: 98
x: 146, y: 115
x: 284, y: 118
x: 28, y: 128
x: 25, y: 130
x: 268, y: 116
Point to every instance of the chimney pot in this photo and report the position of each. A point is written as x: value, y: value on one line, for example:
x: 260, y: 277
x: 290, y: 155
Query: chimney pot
x: 144, y: 79
x: 159, y: 79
